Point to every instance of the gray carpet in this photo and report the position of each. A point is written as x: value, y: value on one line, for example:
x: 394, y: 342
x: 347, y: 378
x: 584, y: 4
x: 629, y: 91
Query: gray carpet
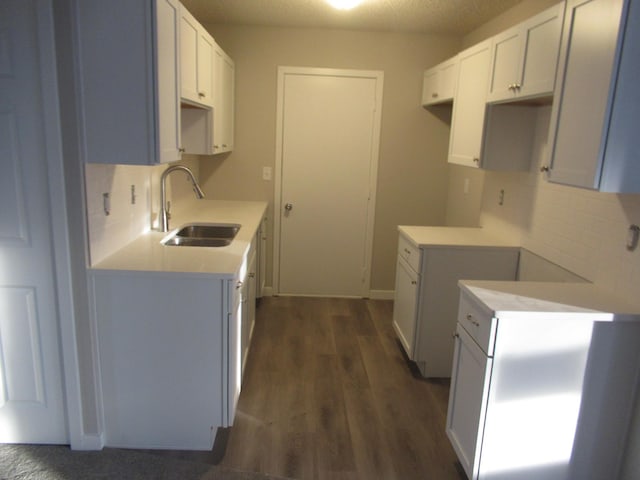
x: 43, y: 462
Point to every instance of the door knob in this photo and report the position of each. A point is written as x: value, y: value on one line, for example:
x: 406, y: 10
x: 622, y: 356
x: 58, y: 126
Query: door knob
x: 288, y: 207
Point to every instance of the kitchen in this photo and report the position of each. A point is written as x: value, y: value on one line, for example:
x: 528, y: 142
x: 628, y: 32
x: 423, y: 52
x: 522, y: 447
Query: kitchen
x: 583, y: 231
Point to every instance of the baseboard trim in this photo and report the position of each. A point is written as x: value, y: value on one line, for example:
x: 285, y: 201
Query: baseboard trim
x: 373, y: 294
x: 89, y: 442
x: 381, y: 294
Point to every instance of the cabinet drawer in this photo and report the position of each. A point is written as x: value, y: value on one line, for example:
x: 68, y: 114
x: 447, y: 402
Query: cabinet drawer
x: 409, y: 252
x: 477, y: 322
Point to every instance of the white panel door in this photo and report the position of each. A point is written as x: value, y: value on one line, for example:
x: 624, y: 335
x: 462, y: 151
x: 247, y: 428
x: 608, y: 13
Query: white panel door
x: 31, y: 390
x: 330, y: 135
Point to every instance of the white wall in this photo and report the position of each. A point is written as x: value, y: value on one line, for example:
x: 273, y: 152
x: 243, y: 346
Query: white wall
x: 412, y: 167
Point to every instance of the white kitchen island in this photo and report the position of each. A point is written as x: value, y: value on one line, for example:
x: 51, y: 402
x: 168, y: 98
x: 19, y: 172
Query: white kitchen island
x: 172, y: 327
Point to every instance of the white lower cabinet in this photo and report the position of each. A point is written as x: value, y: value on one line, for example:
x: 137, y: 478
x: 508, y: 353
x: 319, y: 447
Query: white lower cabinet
x: 249, y: 297
x: 539, y: 389
x: 471, y: 367
x: 426, y: 296
x: 170, y: 357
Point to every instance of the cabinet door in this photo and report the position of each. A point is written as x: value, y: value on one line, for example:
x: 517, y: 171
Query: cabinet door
x: 168, y: 80
x: 447, y: 78
x: 430, y: 86
x: 223, y: 123
x: 467, y: 400
x: 405, y: 306
x: 233, y: 356
x: 506, y: 65
x: 524, y: 58
x: 188, y: 55
x: 205, y: 72
x: 584, y: 84
x: 470, y: 104
x: 539, y: 58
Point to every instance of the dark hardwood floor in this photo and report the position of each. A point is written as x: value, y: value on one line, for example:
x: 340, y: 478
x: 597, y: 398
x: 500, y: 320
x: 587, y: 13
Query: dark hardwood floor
x: 328, y: 394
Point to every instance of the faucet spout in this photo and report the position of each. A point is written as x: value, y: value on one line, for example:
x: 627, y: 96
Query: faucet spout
x: 164, y: 211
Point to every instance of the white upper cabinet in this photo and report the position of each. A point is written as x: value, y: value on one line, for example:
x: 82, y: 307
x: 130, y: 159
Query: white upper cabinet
x: 223, y: 103
x: 594, y: 122
x: 197, y: 57
x: 439, y: 83
x: 469, y: 106
x: 128, y: 80
x: 524, y: 58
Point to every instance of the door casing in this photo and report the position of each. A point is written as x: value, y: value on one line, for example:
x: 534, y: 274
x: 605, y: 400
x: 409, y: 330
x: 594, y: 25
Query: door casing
x: 283, y: 71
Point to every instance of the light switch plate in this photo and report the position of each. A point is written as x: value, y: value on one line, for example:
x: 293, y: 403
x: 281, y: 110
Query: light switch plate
x: 266, y: 173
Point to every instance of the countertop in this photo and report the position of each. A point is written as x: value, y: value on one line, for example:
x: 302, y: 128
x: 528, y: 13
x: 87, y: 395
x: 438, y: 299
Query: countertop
x: 447, y: 237
x: 524, y: 299
x: 147, y: 254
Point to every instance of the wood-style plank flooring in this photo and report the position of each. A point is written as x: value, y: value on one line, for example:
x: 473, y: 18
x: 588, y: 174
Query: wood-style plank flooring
x: 328, y: 394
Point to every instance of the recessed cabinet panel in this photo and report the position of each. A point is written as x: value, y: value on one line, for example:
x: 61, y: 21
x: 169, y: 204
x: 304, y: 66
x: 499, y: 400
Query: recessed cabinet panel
x: 188, y: 55
x: 506, y: 64
x: 469, y: 106
x: 594, y: 141
x: 524, y: 58
x: 439, y: 83
x: 223, y: 122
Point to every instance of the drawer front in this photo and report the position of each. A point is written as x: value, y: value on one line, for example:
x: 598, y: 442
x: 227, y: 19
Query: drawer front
x: 409, y: 252
x: 480, y: 325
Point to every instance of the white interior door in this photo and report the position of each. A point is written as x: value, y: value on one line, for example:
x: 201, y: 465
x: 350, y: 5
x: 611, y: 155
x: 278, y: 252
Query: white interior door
x: 328, y: 134
x: 31, y: 390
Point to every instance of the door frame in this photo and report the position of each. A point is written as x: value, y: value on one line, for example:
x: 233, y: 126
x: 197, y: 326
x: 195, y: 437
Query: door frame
x: 61, y: 250
x: 376, y: 75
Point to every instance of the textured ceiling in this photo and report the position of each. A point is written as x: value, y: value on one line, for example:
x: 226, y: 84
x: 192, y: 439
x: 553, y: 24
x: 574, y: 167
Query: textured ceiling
x: 456, y: 17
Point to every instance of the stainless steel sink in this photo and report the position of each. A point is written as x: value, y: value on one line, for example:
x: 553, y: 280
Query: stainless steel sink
x: 199, y: 230
x: 203, y: 235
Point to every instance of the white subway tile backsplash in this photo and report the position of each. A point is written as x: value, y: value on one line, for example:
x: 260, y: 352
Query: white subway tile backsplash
x: 581, y: 230
x: 126, y: 221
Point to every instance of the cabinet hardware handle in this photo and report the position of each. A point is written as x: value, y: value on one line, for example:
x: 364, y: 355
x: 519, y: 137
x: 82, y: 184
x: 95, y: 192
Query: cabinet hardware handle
x: 201, y: 94
x: 413, y: 282
x: 408, y: 252
x: 455, y: 335
x: 544, y: 168
x: 476, y: 159
x: 224, y: 145
x: 181, y: 150
x: 238, y: 285
x: 252, y: 275
x: 470, y: 318
x: 511, y: 87
x: 434, y: 95
x: 518, y: 86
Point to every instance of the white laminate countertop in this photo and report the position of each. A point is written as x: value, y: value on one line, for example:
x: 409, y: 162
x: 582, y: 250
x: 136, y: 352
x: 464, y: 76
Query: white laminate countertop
x: 524, y: 299
x: 147, y: 254
x: 448, y: 237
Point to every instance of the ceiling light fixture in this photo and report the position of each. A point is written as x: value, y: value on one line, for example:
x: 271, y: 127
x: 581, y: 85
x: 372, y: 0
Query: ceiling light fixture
x: 344, y: 4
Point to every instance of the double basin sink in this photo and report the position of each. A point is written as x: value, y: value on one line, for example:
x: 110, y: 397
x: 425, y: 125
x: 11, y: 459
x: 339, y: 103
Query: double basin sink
x: 203, y: 235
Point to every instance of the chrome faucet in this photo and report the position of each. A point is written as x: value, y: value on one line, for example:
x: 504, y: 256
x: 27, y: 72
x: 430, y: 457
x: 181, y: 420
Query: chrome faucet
x: 164, y: 211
